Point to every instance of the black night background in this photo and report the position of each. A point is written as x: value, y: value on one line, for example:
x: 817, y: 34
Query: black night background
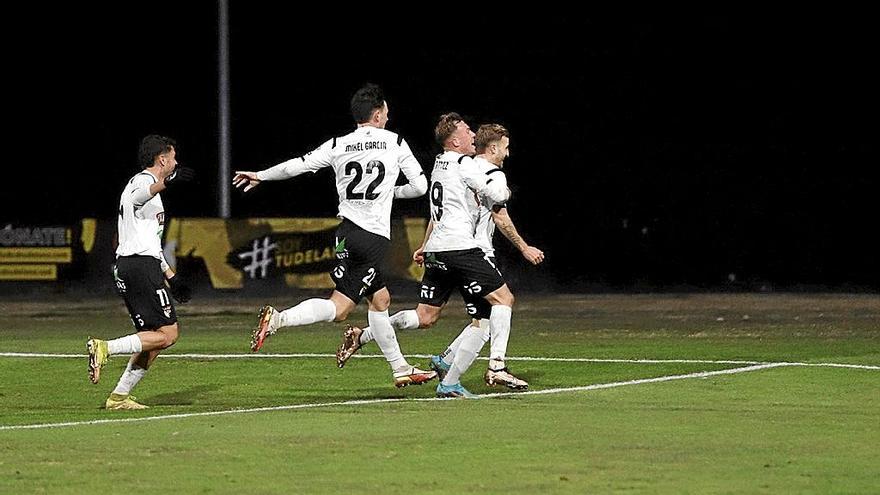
x: 649, y: 152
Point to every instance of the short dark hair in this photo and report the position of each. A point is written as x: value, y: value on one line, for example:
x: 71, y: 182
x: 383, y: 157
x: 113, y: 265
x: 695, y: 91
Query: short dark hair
x: 488, y: 134
x: 365, y: 101
x: 153, y: 146
x: 446, y: 126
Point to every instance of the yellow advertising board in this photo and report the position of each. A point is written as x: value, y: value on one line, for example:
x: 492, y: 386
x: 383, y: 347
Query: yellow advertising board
x: 28, y: 272
x: 35, y: 255
x: 299, y: 251
x: 36, y: 252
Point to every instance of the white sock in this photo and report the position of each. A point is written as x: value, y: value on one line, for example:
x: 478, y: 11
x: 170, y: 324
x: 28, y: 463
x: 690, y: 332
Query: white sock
x: 308, y: 312
x: 402, y: 320
x: 405, y: 320
x: 499, y: 326
x: 485, y: 327
x: 449, y: 354
x: 465, y: 356
x: 383, y: 332
x: 130, y: 377
x: 130, y: 344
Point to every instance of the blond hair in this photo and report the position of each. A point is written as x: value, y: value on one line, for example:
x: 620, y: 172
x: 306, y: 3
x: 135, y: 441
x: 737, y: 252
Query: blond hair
x: 488, y: 134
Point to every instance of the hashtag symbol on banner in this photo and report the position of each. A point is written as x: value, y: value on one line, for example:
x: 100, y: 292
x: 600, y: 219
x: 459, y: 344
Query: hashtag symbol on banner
x: 260, y: 257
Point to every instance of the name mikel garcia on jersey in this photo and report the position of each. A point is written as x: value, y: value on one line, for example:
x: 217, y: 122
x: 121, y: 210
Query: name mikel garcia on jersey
x: 369, y: 145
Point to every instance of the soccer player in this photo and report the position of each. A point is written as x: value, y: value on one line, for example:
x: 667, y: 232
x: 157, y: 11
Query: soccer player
x: 366, y: 162
x: 142, y: 275
x: 492, y: 145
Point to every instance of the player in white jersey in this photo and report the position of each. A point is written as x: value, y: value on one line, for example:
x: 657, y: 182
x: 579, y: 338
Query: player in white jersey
x: 492, y: 144
x: 366, y: 163
x: 450, y: 252
x: 141, y: 272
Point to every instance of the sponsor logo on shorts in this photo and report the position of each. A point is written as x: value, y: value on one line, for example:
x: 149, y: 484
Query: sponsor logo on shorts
x: 431, y: 261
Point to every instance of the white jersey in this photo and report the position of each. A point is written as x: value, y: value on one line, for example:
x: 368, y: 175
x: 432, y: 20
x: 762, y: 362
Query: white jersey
x: 484, y: 206
x: 456, y: 183
x: 141, y: 219
x: 367, y: 163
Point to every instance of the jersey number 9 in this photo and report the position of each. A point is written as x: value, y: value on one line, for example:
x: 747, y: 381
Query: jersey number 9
x: 437, y: 200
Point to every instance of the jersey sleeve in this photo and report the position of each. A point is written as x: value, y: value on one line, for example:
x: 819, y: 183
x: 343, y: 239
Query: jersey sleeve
x: 496, y: 175
x: 412, y: 170
x: 483, y: 184
x: 140, y: 194
x: 163, y: 263
x: 310, y: 162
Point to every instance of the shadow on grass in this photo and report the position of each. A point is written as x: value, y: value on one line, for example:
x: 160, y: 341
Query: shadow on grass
x: 182, y: 398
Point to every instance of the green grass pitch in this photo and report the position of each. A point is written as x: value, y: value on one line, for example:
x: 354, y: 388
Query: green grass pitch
x: 776, y: 429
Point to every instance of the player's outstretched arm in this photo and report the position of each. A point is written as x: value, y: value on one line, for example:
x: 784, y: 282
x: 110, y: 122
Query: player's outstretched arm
x: 505, y: 224
x: 310, y: 162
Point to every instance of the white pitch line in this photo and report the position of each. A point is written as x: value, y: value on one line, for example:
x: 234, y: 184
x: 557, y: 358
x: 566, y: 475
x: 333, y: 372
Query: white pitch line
x: 668, y: 378
x: 598, y: 386
x: 428, y: 356
x: 837, y: 365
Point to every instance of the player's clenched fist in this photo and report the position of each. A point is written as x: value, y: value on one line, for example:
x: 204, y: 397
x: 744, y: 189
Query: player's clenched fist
x: 533, y: 255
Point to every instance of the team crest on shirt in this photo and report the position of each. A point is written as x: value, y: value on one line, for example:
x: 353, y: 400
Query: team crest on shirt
x: 160, y: 217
